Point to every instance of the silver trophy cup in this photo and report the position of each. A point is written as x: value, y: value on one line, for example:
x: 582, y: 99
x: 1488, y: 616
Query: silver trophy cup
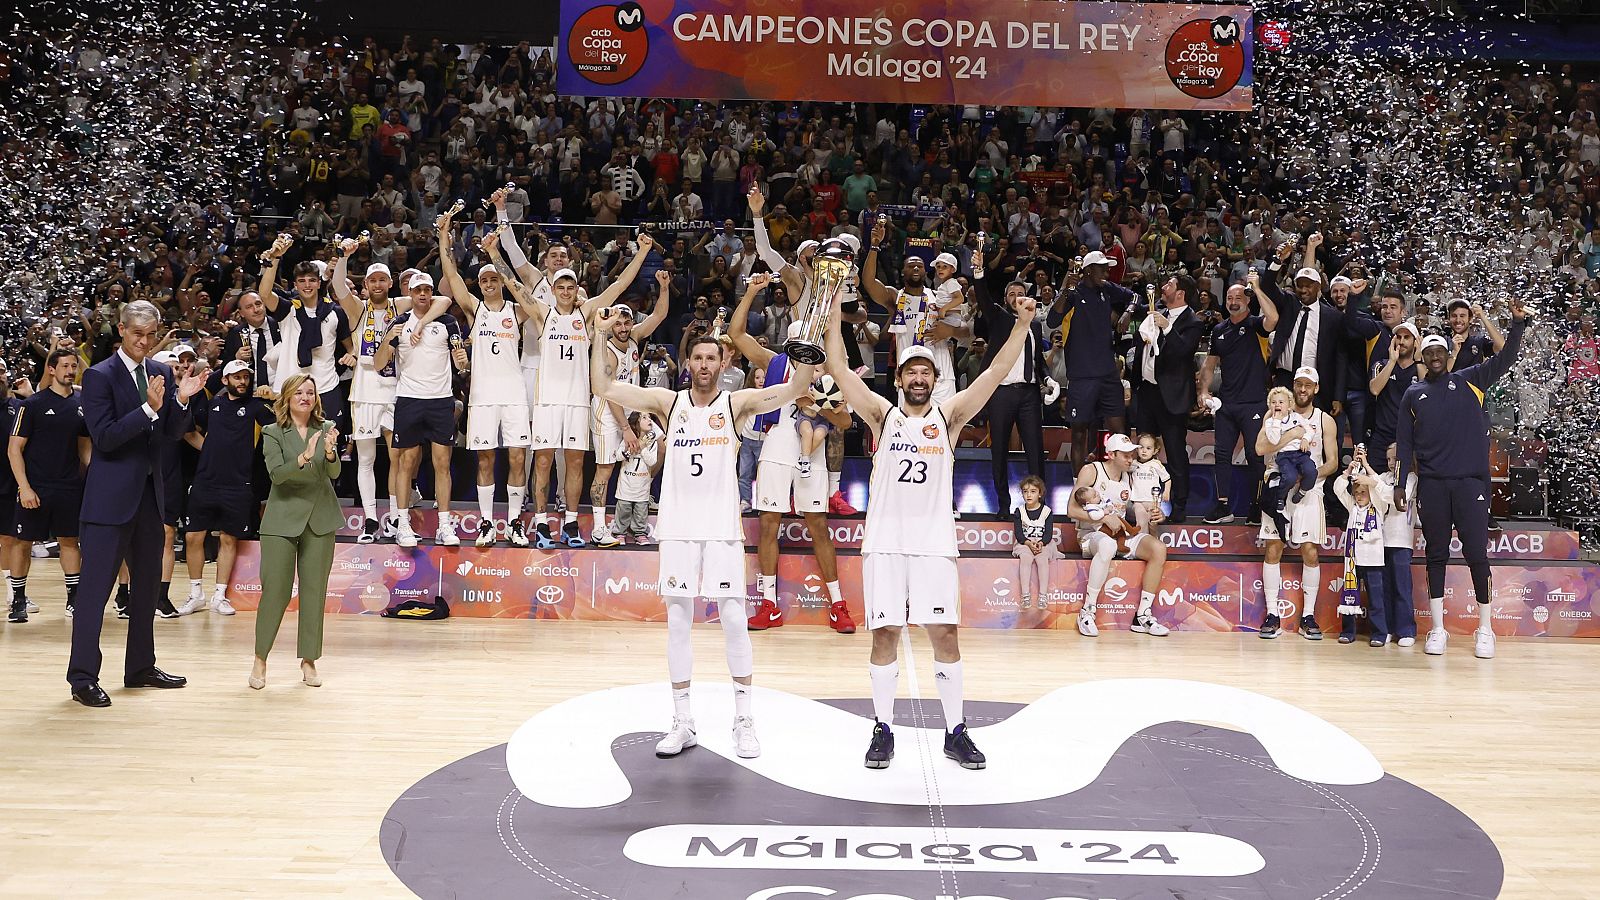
x: 830, y: 269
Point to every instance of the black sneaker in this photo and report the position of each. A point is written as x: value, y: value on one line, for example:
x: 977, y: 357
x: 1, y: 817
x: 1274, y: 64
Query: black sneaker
x: 1253, y: 517
x: 882, y: 748
x: 1270, y: 626
x: 1309, y: 629
x: 164, y: 608
x: 1296, y: 495
x: 121, y: 603
x: 1219, y: 515
x: 68, y: 611
x: 19, y: 614
x: 1494, y: 525
x: 959, y: 747
x: 369, y: 532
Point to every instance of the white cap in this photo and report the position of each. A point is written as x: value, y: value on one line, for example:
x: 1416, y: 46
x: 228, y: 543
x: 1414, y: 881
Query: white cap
x: 237, y: 365
x: 804, y: 246
x: 1119, y: 443
x: 322, y: 269
x: 1407, y: 326
x: 1096, y: 258
x: 1306, y: 373
x: 378, y: 269
x: 420, y: 278
x: 1434, y: 340
x: 622, y: 309
x: 794, y: 329
x: 405, y: 277
x: 1340, y: 279
x: 1309, y: 273
x: 165, y: 357
x: 946, y: 259
x: 181, y: 349
x: 851, y: 241
x: 489, y: 267
x: 916, y: 351
x: 563, y: 273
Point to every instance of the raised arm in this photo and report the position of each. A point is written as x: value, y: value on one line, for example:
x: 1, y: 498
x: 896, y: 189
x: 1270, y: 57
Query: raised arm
x: 755, y: 401
x: 610, y: 294
x: 348, y: 301
x: 603, y: 376
x: 875, y: 289
x: 869, y: 405
x: 966, y: 404
x: 742, y: 341
x: 1491, y: 370
x: 452, y: 275
x: 1496, y: 338
x: 764, y: 248
x: 658, y: 312
x: 1269, y: 307
x: 269, y: 271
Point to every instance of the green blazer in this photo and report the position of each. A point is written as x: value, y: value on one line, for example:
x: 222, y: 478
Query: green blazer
x: 302, y: 499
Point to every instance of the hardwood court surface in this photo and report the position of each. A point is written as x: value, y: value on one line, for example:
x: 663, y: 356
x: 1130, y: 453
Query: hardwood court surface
x: 216, y: 790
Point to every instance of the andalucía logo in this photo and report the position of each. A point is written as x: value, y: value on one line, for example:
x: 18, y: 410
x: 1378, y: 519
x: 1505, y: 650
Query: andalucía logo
x: 1087, y: 796
x: 608, y: 44
x: 1205, y: 57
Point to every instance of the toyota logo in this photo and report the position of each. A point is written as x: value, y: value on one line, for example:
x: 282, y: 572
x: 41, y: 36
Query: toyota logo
x: 550, y: 594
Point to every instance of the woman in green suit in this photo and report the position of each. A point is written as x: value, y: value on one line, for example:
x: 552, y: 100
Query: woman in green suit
x: 298, y: 525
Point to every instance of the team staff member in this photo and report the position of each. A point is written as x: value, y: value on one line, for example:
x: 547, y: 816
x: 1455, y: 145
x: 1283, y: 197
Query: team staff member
x: 182, y: 360
x: 49, y: 450
x: 1310, y: 333
x: 1468, y: 349
x: 1239, y: 344
x: 222, y: 495
x: 19, y: 606
x: 1087, y: 314
x: 1443, y: 435
x: 1391, y: 377
x: 1164, y: 362
x: 298, y: 525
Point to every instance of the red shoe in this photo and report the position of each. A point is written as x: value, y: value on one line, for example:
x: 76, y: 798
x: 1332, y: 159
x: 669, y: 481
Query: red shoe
x: 838, y: 506
x: 767, y: 615
x: 839, y: 618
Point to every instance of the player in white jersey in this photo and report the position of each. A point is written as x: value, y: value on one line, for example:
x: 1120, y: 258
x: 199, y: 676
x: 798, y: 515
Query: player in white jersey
x: 609, y: 423
x: 778, y: 487
x: 909, y: 549
x: 562, y: 395
x: 1307, y: 523
x: 1112, y: 484
x: 701, y: 538
x: 796, y: 276
x: 497, y: 408
x: 922, y: 315
x: 371, y: 389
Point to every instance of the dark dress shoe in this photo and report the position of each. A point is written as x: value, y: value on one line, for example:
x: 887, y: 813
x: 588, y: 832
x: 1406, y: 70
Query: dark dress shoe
x: 154, y: 678
x: 91, y: 695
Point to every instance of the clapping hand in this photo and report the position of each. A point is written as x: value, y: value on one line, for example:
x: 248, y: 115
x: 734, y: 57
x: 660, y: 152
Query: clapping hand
x: 191, y: 384
x: 155, y: 392
x: 330, y: 443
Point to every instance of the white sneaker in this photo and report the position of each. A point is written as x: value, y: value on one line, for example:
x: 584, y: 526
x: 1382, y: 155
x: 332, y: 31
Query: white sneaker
x: 601, y: 536
x: 1086, y: 624
x: 1483, y: 644
x: 804, y: 467
x: 486, y: 531
x: 1147, y: 624
x: 194, y: 604
x: 221, y: 606
x: 446, y: 535
x: 32, y: 607
x: 744, y: 738
x: 1434, y: 645
x: 403, y: 535
x: 1407, y: 641
x: 678, y: 738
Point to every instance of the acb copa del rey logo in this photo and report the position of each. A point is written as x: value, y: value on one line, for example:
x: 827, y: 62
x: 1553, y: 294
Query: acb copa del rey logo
x: 1205, y: 57
x: 608, y: 44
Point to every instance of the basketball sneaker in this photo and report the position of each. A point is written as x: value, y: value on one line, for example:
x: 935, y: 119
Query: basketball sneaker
x: 1270, y: 626
x: 1309, y: 629
x: 744, y: 738
x: 643, y: 538
x: 602, y: 537
x: 838, y: 506
x: 767, y: 615
x: 1147, y: 624
x: 164, y: 608
x: 1220, y: 514
x: 19, y: 611
x: 1406, y: 641
x: 369, y: 532
x: 959, y: 747
x: 881, y: 750
x: 446, y: 535
x: 485, y: 534
x: 1087, y: 626
x: 804, y: 467
x: 403, y: 535
x: 1483, y: 644
x: 221, y: 606
x: 32, y: 606
x: 839, y: 618
x: 1434, y: 645
x: 678, y: 738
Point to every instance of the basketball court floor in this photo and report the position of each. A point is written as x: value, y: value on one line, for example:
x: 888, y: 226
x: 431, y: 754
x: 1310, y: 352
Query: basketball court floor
x: 512, y: 758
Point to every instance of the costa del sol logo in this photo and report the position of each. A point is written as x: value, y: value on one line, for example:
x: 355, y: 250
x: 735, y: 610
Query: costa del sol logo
x: 806, y: 819
x: 1205, y: 57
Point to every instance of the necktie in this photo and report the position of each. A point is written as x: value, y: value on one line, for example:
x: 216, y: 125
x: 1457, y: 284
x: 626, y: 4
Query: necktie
x: 1027, y: 359
x: 141, y: 382
x: 1300, y: 338
x: 258, y: 355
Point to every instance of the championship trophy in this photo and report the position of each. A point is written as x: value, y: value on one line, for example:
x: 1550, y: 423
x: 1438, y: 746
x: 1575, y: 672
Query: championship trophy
x: 830, y: 269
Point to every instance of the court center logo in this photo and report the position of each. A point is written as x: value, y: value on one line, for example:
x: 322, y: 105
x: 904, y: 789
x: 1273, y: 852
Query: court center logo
x: 596, y: 815
x: 1205, y: 57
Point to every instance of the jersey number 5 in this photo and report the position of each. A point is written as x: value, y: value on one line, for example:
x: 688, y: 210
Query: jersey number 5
x: 913, y: 471
x: 695, y: 468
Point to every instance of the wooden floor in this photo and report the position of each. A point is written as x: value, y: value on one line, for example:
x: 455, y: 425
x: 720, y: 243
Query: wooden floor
x: 217, y: 789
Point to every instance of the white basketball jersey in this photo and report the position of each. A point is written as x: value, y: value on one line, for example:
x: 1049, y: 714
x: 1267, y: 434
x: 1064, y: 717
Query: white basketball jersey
x: 627, y: 363
x: 700, y: 480
x: 531, y: 345
x: 496, y: 371
x: 913, y: 317
x: 370, y: 385
x: 911, y: 504
x: 782, y: 444
x: 564, y: 360
x: 1113, y: 494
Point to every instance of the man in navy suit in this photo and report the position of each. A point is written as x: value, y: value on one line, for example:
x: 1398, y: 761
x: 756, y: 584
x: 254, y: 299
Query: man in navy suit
x: 135, y: 412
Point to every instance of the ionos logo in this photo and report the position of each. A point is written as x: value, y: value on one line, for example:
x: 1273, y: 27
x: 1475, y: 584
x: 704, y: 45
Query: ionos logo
x: 616, y: 817
x: 608, y: 45
x: 1205, y: 57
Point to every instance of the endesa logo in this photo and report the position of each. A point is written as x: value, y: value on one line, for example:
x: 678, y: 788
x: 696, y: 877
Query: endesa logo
x: 608, y: 44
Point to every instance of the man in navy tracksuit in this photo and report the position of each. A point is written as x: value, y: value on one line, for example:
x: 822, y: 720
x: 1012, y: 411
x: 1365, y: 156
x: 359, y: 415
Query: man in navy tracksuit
x: 1443, y: 433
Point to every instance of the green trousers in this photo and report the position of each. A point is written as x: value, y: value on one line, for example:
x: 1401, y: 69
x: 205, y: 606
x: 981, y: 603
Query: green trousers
x: 281, y: 557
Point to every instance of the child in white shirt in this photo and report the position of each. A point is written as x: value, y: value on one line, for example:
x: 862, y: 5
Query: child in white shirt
x: 633, y: 484
x: 1399, y: 536
x: 1369, y: 500
x: 1036, y: 544
x: 1152, y: 486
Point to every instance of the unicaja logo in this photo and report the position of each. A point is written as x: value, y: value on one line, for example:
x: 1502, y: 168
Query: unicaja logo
x: 465, y: 568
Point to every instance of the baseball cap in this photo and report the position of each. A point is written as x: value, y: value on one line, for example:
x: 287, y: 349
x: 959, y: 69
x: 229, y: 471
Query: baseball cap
x: 804, y: 246
x: 237, y: 365
x: 1309, y: 274
x: 1096, y: 258
x: 181, y: 349
x: 563, y: 273
x: 851, y: 241
x: 489, y: 267
x: 1458, y: 302
x: 1407, y: 326
x: 1434, y: 340
x: 322, y: 269
x: 794, y: 329
x: 1340, y: 279
x: 916, y: 351
x: 420, y: 278
x: 1306, y: 373
x: 165, y: 357
x: 1119, y: 443
x: 378, y: 269
x: 622, y: 309
x: 946, y: 259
